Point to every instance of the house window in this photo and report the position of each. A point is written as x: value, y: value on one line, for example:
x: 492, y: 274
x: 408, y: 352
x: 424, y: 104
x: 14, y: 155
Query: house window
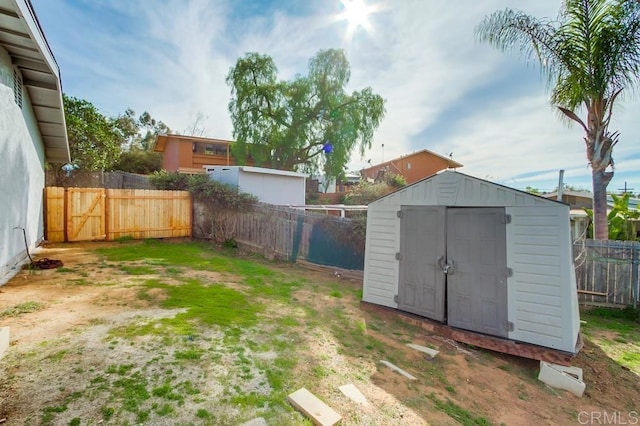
x: 17, y: 88
x: 408, y: 166
x: 209, y: 149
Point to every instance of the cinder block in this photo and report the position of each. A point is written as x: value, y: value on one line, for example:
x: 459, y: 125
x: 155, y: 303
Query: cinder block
x: 561, y: 377
x: 431, y: 353
x: 4, y: 340
x: 311, y: 406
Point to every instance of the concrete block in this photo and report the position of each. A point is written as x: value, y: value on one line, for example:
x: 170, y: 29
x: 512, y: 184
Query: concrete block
x: 4, y: 340
x: 311, y: 406
x: 431, y: 353
x: 398, y: 370
x: 354, y: 394
x: 561, y: 377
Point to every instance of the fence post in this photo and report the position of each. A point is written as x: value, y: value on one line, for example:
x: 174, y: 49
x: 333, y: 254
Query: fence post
x: 634, y: 275
x: 297, y: 237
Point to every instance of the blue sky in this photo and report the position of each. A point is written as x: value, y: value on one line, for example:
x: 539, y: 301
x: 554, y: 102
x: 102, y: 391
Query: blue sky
x: 444, y: 91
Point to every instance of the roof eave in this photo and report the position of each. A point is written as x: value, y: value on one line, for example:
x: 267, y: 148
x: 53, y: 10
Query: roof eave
x: 41, y: 79
x: 450, y: 162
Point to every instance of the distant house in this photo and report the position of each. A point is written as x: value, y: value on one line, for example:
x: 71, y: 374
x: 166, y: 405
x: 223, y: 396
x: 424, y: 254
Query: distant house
x: 576, y: 199
x: 580, y: 200
x: 413, y: 167
x: 584, y: 200
x: 32, y: 131
x: 189, y: 154
x: 329, y: 185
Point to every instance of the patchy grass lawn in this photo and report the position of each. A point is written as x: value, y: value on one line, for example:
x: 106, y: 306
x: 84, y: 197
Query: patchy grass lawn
x: 617, y: 332
x: 181, y: 333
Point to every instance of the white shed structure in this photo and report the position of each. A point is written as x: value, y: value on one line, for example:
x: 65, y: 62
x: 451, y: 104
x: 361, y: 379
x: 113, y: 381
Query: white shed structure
x: 271, y: 186
x: 477, y: 256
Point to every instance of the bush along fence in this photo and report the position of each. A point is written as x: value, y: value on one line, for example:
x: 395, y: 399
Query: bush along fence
x: 607, y: 272
x: 82, y: 179
x: 286, y: 233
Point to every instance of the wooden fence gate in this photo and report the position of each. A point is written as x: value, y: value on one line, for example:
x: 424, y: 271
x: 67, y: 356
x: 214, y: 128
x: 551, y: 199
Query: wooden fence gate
x: 94, y: 214
x: 85, y: 209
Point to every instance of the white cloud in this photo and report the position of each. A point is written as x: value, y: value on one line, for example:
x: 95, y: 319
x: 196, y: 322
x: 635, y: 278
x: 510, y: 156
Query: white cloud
x: 171, y: 57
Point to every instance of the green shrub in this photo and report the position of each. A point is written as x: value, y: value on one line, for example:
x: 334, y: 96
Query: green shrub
x: 367, y: 192
x: 169, y: 180
x: 214, y: 194
x: 394, y: 180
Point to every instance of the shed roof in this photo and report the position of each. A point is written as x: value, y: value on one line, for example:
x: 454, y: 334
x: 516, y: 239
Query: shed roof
x: 261, y: 170
x: 22, y: 36
x: 452, y: 188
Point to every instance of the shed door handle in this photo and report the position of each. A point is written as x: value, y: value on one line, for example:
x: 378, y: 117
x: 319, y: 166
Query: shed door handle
x: 448, y: 267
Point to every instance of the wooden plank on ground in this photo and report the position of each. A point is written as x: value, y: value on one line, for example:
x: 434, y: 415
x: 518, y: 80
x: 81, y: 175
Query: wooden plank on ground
x: 595, y: 293
x: 4, y: 340
x: 398, y: 370
x: 430, y: 352
x: 354, y: 394
x: 312, y: 407
x: 525, y: 350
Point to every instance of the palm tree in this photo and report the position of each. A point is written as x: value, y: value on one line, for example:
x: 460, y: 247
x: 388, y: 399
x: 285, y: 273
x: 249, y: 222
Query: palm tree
x: 589, y: 55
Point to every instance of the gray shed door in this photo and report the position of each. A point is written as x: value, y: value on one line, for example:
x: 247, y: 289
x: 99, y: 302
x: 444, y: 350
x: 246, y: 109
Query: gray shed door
x: 477, y: 282
x: 422, y: 243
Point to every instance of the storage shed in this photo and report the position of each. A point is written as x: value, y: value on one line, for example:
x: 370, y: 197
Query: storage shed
x: 477, y: 256
x: 271, y: 186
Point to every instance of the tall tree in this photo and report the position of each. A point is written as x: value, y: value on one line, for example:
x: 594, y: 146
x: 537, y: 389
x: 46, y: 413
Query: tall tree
x: 98, y: 142
x: 309, y: 123
x: 139, y: 133
x: 140, y: 161
x: 589, y: 55
x: 95, y: 141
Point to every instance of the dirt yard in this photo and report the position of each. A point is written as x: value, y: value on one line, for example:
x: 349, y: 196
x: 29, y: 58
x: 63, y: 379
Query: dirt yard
x: 166, y: 333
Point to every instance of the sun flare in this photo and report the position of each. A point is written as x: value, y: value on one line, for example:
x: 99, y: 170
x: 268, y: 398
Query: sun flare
x: 356, y: 13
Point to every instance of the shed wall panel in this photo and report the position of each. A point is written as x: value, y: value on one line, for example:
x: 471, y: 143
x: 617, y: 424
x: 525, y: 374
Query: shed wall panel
x: 380, y: 264
x: 542, y: 290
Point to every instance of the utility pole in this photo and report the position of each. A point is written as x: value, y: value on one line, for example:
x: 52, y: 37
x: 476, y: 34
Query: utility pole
x: 560, y: 185
x: 625, y: 189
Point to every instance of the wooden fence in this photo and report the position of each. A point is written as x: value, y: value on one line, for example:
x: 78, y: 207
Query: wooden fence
x: 607, y: 272
x: 286, y: 233
x: 93, y: 214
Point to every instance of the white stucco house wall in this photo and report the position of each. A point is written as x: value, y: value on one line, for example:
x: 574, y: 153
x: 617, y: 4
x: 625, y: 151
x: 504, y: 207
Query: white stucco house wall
x: 279, y: 187
x: 32, y: 130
